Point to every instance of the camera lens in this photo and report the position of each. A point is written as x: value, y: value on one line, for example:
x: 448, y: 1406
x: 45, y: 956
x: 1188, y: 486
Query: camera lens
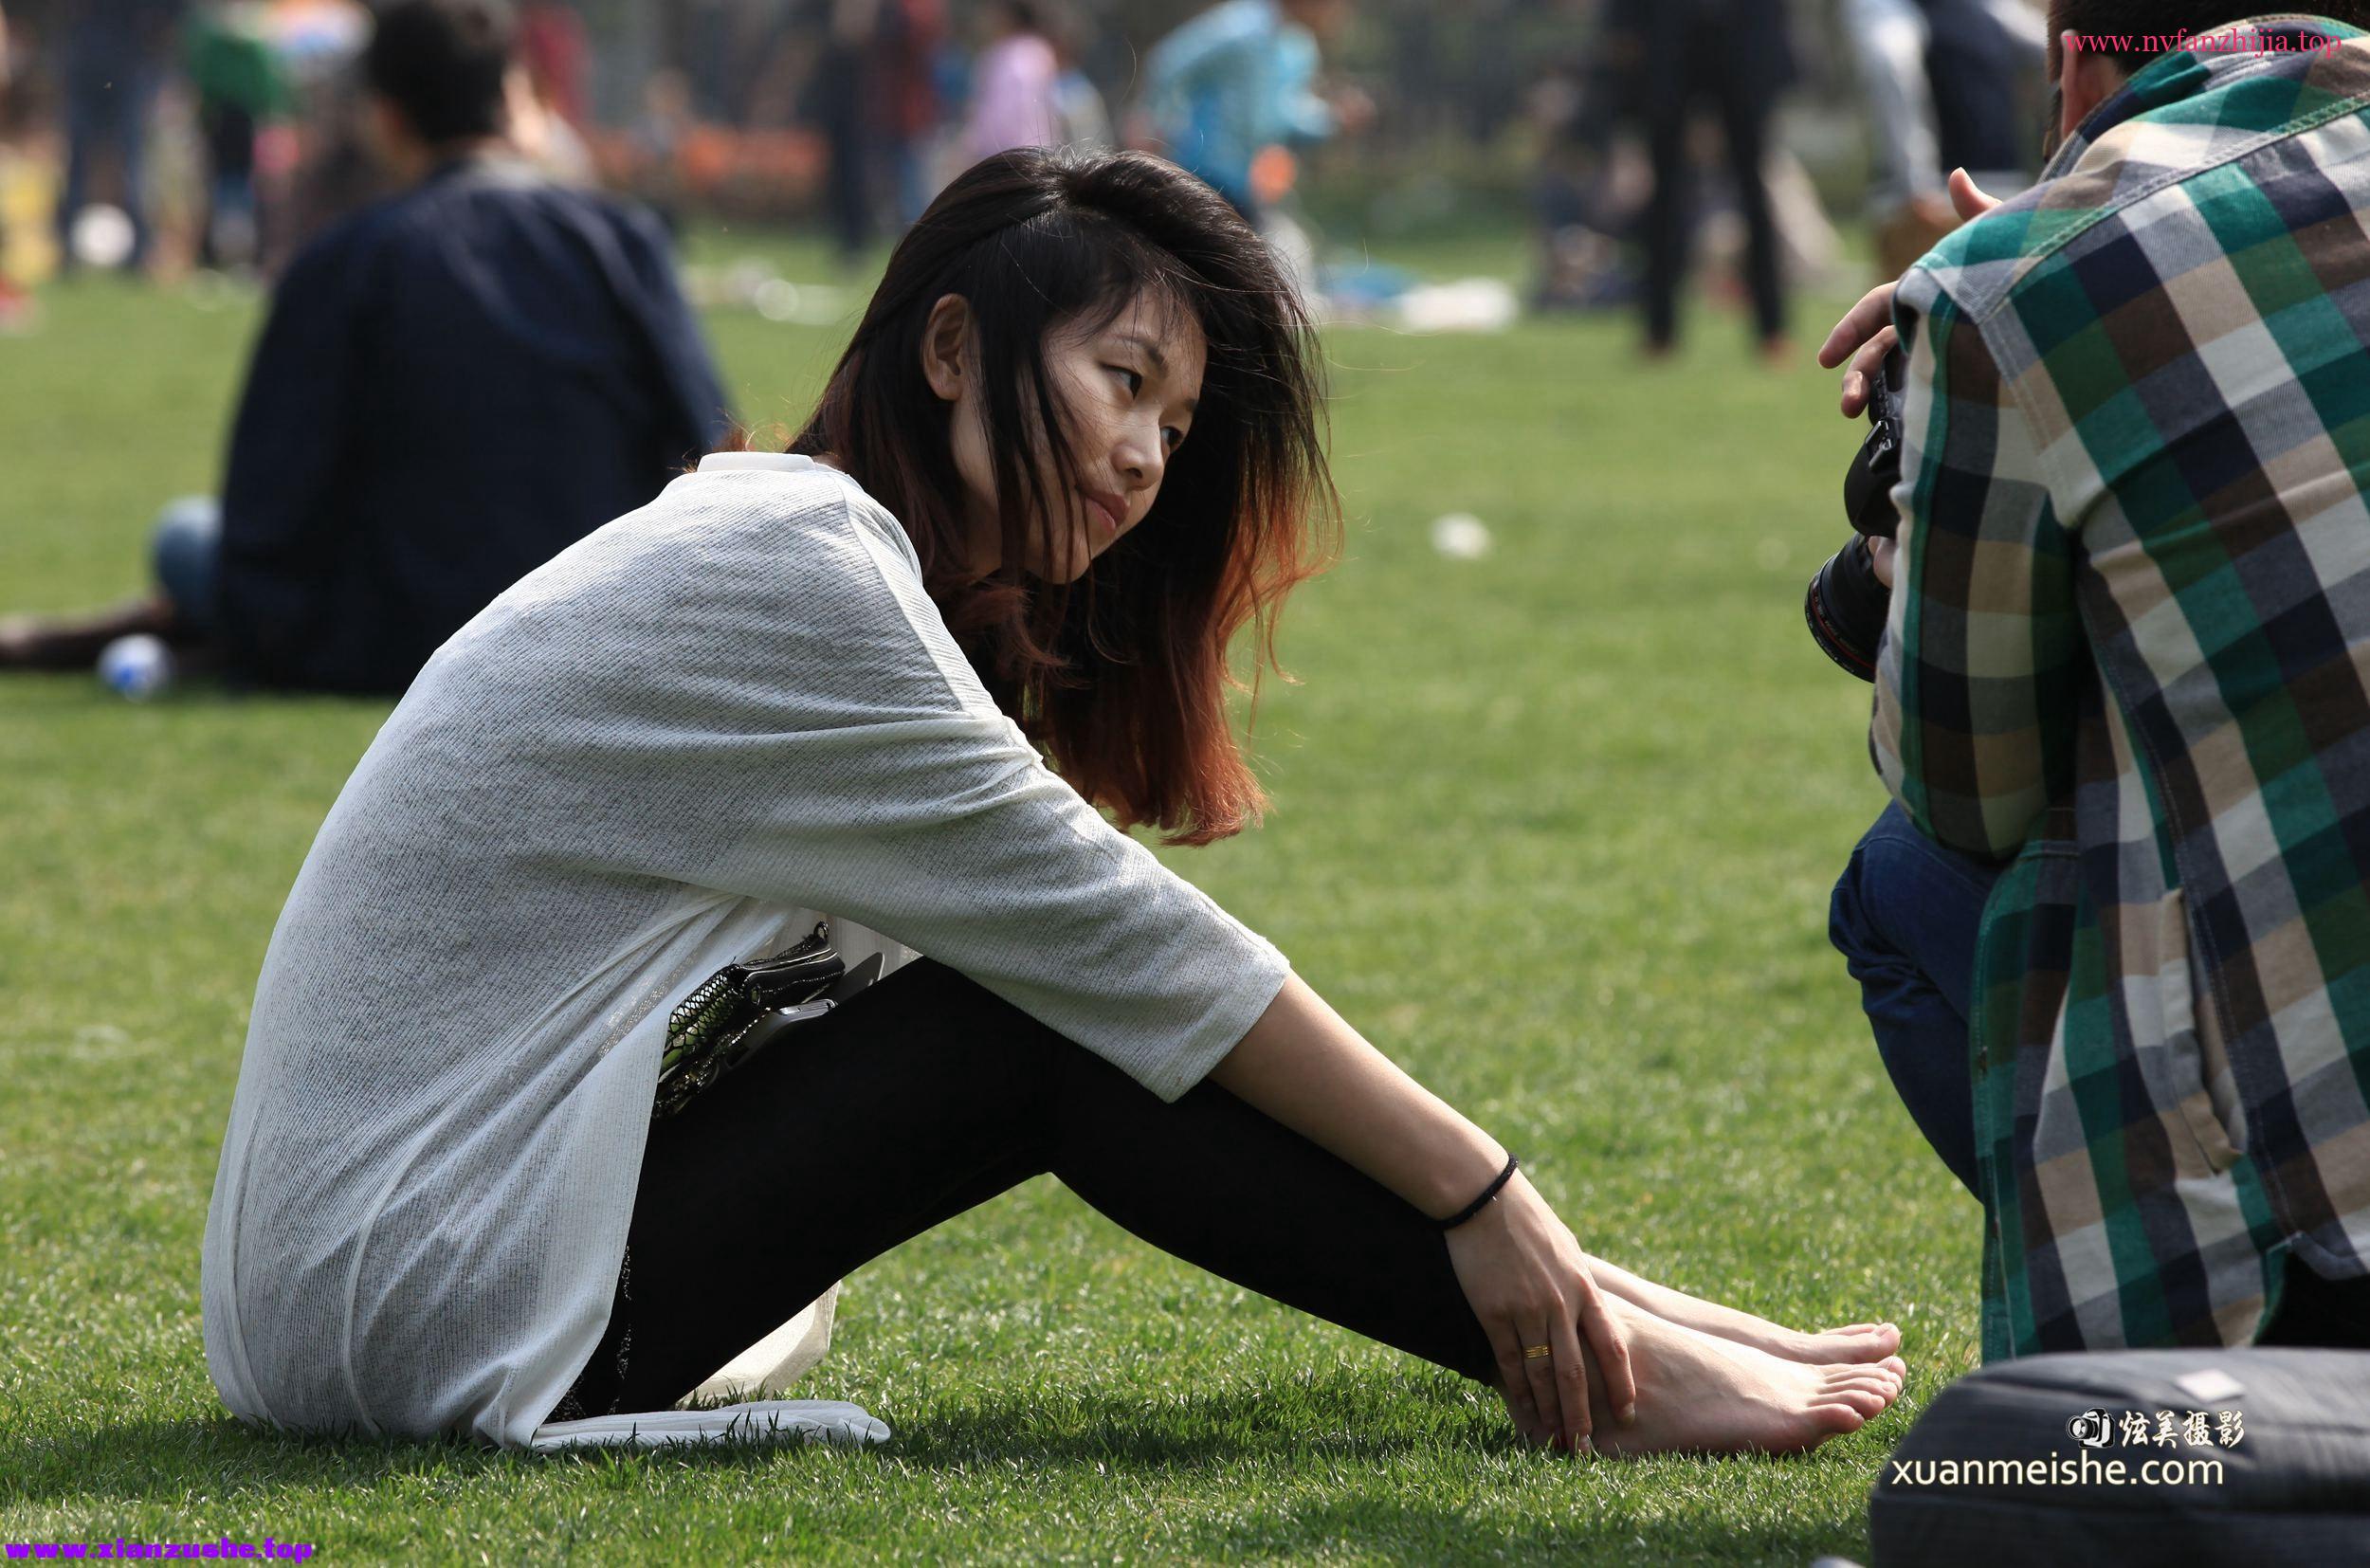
x: 1846, y: 607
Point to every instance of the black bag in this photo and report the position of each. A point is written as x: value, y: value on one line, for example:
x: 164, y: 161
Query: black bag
x: 2009, y: 1465
x: 735, y: 1012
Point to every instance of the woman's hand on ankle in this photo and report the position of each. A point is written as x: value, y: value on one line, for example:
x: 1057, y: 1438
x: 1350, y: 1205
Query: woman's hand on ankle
x: 1528, y: 1283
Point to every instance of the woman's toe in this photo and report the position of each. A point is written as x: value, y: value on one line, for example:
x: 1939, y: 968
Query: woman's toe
x: 1869, y: 1382
x: 1835, y: 1418
x: 1867, y: 1401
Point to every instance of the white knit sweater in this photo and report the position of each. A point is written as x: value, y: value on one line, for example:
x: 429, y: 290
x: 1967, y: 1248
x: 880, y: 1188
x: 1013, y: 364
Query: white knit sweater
x: 668, y: 749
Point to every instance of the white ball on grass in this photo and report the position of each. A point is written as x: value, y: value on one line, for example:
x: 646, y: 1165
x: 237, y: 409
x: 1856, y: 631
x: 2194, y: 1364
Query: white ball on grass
x: 138, y: 667
x: 1459, y: 536
x: 777, y: 300
x: 103, y: 236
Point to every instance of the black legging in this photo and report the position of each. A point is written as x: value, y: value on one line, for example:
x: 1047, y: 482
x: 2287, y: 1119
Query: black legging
x: 1690, y: 61
x: 926, y: 1094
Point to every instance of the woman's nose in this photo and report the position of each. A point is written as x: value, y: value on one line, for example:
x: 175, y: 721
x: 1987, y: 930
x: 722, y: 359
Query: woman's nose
x: 1140, y: 459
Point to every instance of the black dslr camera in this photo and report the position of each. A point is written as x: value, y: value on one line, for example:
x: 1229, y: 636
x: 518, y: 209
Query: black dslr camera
x: 1846, y: 604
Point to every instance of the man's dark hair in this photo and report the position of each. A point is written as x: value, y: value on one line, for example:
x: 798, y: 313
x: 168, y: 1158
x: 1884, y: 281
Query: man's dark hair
x: 2162, y: 19
x: 442, y: 62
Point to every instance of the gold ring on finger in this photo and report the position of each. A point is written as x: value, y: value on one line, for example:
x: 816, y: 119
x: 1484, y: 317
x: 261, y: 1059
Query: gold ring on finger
x: 1532, y: 1353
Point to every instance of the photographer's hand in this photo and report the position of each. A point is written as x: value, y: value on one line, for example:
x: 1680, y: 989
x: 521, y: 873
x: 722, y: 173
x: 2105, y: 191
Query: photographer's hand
x: 1868, y: 327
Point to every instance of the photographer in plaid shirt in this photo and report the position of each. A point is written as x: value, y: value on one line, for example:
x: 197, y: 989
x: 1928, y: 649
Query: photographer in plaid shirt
x: 2114, y: 933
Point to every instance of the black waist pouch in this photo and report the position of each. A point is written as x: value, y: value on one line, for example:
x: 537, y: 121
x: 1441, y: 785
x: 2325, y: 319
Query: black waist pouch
x: 739, y: 1010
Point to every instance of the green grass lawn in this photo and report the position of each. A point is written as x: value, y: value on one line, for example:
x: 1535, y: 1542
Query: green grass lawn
x: 1555, y: 827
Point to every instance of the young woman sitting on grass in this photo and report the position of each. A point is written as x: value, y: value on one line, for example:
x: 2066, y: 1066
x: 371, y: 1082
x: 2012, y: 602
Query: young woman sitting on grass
x: 1072, y: 451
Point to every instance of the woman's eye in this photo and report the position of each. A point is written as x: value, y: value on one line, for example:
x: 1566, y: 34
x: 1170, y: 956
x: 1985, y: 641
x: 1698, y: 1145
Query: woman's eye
x: 1135, y: 378
x: 1176, y: 437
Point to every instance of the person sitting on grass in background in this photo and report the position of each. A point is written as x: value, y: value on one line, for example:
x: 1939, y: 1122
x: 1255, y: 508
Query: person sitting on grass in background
x: 2120, y: 697
x: 1072, y: 448
x: 453, y: 386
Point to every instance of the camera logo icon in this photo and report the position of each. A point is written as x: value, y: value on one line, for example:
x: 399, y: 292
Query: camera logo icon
x: 2090, y: 1429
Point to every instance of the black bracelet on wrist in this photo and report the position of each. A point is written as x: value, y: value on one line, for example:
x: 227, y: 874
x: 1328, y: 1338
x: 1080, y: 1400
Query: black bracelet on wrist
x: 1478, y: 1204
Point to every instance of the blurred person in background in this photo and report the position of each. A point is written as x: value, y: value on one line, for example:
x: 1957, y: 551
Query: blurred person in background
x: 320, y: 165
x: 874, y: 96
x: 1081, y: 116
x: 240, y: 88
x: 1734, y: 57
x: 1012, y: 86
x: 15, y: 303
x: 910, y: 51
x: 453, y: 385
x: 547, y: 100
x: 556, y: 55
x: 543, y: 135
x: 27, y: 172
x: 908, y: 58
x: 1588, y: 188
x: 875, y: 101
x: 843, y: 111
x: 656, y: 138
x: 116, y: 56
x: 1943, y: 81
x: 1242, y: 77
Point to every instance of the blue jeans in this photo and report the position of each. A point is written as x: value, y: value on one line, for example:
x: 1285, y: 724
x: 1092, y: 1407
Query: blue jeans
x: 183, y: 552
x: 1904, y: 916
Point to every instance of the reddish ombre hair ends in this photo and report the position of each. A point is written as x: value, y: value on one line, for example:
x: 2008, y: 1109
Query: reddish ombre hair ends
x: 1123, y: 678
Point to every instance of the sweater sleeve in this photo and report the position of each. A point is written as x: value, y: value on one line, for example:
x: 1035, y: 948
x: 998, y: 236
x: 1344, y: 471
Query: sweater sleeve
x: 791, y: 720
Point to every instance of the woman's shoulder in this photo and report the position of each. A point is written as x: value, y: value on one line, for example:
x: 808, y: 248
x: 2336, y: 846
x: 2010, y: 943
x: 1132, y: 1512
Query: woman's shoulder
x: 789, y: 480
x: 760, y: 581
x: 747, y: 542
x: 772, y: 494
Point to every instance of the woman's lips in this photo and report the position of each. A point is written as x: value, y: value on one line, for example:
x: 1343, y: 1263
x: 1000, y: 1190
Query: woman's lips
x: 1113, y: 515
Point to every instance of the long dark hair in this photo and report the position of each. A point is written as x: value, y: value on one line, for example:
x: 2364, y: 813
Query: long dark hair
x: 1123, y: 679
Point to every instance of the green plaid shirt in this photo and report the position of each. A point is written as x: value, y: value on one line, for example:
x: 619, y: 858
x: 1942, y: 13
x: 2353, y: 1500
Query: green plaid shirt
x: 2128, y: 647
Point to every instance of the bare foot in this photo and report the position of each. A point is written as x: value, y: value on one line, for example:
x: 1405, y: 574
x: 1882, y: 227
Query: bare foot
x: 1858, y: 1343
x: 1697, y: 1394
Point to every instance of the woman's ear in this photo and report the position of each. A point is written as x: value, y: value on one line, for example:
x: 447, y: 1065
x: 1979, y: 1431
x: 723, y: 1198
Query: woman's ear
x: 945, y: 345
